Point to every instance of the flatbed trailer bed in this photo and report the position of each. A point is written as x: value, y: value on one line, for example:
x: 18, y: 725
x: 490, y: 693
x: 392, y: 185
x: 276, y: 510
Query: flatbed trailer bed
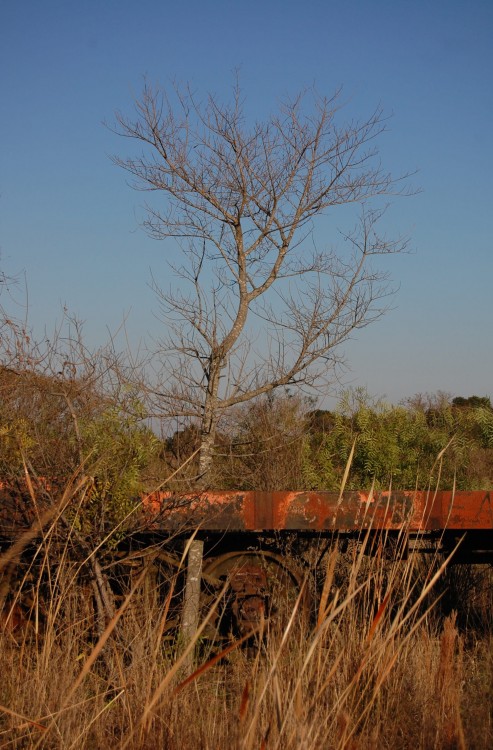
x: 350, y: 511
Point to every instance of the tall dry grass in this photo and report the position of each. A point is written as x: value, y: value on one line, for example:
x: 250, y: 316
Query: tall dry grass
x: 383, y: 660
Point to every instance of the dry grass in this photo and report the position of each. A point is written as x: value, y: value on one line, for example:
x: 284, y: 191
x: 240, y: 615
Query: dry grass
x: 379, y: 665
x: 383, y: 661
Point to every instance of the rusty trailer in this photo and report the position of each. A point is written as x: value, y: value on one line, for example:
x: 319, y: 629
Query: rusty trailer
x: 246, y: 535
x: 253, y: 541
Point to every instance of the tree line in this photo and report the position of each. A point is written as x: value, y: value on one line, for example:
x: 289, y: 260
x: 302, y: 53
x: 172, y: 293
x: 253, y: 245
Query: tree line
x: 54, y: 424
x: 284, y: 442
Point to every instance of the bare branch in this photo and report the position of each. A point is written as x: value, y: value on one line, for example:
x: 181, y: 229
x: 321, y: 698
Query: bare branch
x: 251, y: 308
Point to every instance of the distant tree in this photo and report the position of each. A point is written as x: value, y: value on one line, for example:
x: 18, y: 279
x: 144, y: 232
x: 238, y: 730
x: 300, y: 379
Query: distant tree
x: 472, y: 401
x: 321, y: 420
x: 241, y: 201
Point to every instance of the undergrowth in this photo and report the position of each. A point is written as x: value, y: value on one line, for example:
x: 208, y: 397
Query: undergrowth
x: 395, y: 654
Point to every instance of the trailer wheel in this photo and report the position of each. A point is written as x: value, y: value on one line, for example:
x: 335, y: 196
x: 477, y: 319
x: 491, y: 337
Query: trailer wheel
x: 262, y: 587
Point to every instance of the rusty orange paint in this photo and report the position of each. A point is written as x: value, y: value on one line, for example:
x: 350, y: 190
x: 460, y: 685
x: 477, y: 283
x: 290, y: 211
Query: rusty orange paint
x: 353, y: 511
x: 322, y: 511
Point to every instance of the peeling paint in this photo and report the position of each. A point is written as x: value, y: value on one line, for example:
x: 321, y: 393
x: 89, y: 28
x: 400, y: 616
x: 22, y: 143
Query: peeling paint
x: 415, y: 512
x: 317, y: 511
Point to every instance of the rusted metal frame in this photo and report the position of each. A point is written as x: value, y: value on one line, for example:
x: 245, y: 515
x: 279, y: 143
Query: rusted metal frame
x: 419, y: 513
x: 323, y: 511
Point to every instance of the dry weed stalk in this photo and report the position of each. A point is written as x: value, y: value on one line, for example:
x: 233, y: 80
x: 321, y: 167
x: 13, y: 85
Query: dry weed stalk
x: 448, y: 685
x: 370, y: 671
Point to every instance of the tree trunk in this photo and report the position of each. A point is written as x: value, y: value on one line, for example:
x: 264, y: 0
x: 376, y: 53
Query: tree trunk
x: 206, y: 457
x: 209, y: 423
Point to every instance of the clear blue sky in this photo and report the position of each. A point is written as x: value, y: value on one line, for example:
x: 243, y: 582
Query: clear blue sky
x: 68, y: 219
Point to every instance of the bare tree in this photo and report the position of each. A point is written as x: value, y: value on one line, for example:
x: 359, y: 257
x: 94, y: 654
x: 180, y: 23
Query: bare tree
x: 258, y: 305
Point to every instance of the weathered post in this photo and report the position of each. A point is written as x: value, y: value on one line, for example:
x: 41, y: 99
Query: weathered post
x: 191, y: 604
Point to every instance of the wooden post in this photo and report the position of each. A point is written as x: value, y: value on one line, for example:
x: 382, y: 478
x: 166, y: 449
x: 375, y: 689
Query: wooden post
x: 191, y: 604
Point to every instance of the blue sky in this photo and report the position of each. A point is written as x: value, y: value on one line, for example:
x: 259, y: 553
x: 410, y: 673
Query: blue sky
x: 71, y: 223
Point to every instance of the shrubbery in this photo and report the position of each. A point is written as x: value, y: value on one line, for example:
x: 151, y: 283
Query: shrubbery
x: 283, y: 443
